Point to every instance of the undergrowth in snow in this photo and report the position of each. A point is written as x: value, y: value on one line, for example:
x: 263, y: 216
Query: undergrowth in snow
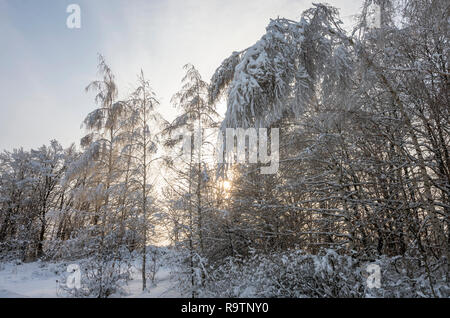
x: 293, y: 274
x: 296, y: 274
x: 48, y: 280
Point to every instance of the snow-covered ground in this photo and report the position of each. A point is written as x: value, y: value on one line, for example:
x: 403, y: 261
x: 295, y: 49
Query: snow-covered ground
x: 40, y: 280
x: 165, y: 288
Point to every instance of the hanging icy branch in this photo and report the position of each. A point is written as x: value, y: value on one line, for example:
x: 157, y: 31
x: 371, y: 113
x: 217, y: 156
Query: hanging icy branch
x: 277, y: 75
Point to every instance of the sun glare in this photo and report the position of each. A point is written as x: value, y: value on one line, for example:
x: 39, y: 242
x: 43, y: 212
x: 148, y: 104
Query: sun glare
x: 226, y: 185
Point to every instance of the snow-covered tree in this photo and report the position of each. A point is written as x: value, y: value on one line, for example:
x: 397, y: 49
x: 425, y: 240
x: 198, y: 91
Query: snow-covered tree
x: 142, y: 149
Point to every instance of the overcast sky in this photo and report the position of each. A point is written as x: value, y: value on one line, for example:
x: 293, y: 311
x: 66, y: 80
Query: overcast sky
x: 45, y: 66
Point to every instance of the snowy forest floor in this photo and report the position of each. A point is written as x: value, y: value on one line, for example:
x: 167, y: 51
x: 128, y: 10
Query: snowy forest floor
x: 41, y: 280
x: 291, y: 274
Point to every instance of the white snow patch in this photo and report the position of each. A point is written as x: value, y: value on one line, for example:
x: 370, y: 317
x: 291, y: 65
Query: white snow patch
x: 40, y: 280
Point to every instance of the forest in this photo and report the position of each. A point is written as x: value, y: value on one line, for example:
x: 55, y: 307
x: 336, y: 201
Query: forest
x: 358, y: 207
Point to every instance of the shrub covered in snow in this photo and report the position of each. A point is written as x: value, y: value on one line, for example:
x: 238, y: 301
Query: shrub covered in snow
x: 100, y: 278
x: 327, y: 274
